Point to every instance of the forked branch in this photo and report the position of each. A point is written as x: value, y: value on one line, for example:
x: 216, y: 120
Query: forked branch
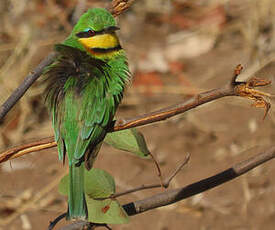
x: 176, y: 195
x: 164, y: 183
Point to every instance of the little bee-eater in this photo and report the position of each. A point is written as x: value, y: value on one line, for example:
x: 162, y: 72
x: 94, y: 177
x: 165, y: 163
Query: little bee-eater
x: 85, y: 84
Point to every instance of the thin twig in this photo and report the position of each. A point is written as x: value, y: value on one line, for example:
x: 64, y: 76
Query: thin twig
x: 164, y: 183
x: 158, y: 168
x: 140, y: 188
x: 169, y: 179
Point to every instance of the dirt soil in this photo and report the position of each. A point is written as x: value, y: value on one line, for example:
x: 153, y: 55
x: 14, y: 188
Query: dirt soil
x: 217, y: 135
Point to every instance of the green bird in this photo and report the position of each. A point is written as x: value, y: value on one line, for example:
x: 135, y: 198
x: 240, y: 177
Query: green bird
x: 85, y: 85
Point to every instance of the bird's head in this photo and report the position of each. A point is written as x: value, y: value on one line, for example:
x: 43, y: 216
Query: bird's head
x: 95, y: 34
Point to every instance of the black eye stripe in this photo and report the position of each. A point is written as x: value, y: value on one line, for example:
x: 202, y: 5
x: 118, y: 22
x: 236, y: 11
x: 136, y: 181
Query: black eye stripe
x: 90, y: 33
x: 86, y: 34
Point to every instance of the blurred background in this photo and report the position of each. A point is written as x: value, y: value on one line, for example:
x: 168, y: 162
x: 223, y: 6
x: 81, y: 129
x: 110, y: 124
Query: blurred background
x: 176, y: 49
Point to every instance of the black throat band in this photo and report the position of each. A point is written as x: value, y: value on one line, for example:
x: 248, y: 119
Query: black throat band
x: 106, y: 50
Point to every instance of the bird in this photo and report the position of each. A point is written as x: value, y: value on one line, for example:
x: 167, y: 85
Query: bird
x: 84, y: 86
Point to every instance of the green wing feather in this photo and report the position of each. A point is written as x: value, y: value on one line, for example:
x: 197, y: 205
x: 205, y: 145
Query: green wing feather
x: 83, y: 95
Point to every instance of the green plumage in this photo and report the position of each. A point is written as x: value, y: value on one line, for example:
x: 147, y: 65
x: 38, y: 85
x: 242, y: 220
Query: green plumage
x: 83, y: 92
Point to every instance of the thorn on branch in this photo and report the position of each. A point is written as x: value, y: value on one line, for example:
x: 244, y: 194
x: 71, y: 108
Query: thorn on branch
x: 237, y: 72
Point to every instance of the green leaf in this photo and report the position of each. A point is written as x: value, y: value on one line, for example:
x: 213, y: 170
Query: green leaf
x: 129, y: 140
x: 98, y: 183
x: 63, y: 187
x: 106, y: 211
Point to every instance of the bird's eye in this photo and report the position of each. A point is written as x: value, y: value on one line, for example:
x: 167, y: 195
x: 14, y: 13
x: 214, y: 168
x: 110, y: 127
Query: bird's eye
x: 91, y: 32
x: 86, y: 33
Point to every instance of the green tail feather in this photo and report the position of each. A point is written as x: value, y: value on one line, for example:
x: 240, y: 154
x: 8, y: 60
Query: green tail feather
x: 77, y: 205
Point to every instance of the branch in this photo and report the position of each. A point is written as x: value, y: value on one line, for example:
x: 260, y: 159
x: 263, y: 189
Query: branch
x: 118, y: 7
x: 25, y: 85
x: 142, y: 187
x: 243, y: 89
x: 175, y: 195
x: 27, y: 148
x: 174, y: 110
x: 164, y: 183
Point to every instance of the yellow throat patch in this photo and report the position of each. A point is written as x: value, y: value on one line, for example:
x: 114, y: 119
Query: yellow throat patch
x: 102, y: 45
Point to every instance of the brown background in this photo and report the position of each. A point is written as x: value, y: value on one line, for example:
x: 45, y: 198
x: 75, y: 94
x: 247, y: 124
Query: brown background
x: 176, y: 49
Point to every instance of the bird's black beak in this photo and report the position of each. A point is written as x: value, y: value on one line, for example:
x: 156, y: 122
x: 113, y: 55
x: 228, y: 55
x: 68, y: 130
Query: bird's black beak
x: 111, y: 29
